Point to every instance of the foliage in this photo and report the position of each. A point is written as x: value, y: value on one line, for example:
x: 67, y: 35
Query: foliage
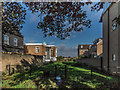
x: 13, y: 16
x: 81, y: 56
x: 60, y: 58
x: 56, y: 14
x: 76, y: 77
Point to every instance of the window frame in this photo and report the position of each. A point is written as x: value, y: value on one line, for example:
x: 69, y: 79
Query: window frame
x: 114, y: 25
x: 15, y: 42
x: 7, y: 39
x: 37, y: 49
x: 113, y: 57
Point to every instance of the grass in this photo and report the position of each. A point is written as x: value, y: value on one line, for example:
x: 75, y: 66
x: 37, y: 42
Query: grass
x: 78, y: 76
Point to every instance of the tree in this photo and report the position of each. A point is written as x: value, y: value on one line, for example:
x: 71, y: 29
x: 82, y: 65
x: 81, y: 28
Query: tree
x: 13, y: 17
x: 56, y: 14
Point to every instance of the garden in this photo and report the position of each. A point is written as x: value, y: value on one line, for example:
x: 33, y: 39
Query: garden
x: 72, y: 75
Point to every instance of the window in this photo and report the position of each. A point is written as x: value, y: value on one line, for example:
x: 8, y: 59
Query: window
x: 37, y: 49
x: 113, y: 57
x: 15, y: 42
x: 81, y: 50
x: 6, y: 39
x: 81, y: 46
x: 114, y: 26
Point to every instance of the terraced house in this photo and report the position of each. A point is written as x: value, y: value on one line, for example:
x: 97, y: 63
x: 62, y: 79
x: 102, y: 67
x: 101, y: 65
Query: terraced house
x: 49, y: 52
x: 12, y: 41
x: 111, y: 37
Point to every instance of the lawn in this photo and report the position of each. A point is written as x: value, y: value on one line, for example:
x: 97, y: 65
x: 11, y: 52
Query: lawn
x: 78, y: 76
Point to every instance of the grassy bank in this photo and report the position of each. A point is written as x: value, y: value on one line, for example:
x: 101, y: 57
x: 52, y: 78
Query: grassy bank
x: 78, y: 76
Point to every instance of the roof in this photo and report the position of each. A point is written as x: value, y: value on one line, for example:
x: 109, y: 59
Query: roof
x: 100, y: 41
x: 38, y: 44
x: 85, y: 46
x: 97, y: 39
x: 33, y: 44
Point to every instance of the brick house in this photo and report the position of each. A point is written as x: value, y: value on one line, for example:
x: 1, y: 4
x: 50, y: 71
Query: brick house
x: 83, y: 49
x: 12, y: 42
x: 91, y: 50
x: 49, y: 52
x: 111, y: 38
x: 96, y: 49
x: 100, y: 48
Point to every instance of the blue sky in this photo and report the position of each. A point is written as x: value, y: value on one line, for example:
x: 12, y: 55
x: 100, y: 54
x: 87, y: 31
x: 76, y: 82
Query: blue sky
x: 67, y: 47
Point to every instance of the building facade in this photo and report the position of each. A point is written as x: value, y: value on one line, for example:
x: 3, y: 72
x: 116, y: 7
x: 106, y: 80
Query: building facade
x: 94, y: 50
x: 49, y: 52
x: 111, y: 38
x: 12, y: 42
x: 83, y: 49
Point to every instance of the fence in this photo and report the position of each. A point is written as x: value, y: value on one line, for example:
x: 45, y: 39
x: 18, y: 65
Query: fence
x: 55, y: 71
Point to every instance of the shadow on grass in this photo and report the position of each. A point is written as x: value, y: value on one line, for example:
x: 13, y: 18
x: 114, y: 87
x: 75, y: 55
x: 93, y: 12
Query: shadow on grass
x: 77, y: 77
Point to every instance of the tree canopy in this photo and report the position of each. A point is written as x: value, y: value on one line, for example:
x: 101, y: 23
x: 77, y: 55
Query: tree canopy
x: 59, y: 18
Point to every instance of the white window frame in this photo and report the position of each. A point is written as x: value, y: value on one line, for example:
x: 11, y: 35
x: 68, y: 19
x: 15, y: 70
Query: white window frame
x: 113, y: 57
x: 37, y: 49
x: 6, y: 39
x: 114, y: 26
x: 15, y: 42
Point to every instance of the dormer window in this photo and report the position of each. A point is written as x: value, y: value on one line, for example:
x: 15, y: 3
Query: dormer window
x: 6, y: 39
x: 81, y: 46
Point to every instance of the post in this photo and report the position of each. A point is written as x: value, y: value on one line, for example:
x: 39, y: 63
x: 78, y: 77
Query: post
x: 30, y: 70
x: 55, y: 70
x: 101, y: 63
x: 65, y: 71
x: 91, y: 71
x: 13, y: 70
x: 9, y: 68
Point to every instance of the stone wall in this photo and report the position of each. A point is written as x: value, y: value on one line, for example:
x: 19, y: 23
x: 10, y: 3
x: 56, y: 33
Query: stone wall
x: 20, y: 60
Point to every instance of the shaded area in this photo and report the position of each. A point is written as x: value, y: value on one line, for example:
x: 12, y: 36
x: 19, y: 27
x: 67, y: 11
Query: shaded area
x: 77, y: 77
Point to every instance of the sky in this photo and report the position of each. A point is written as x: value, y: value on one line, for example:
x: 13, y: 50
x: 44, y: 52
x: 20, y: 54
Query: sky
x: 67, y: 47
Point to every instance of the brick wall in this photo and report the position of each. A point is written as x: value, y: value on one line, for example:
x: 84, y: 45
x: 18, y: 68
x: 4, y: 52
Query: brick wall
x: 99, y: 48
x: 15, y: 59
x: 30, y: 49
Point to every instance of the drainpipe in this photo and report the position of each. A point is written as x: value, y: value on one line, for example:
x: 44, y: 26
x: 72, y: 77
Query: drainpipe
x: 108, y: 41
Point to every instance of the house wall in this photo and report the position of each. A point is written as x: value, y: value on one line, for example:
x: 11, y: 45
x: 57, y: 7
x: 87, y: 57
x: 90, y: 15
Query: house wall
x: 100, y: 48
x: 11, y: 47
x: 105, y: 40
x: 119, y: 39
x: 110, y: 47
x: 113, y: 38
x: 30, y: 49
x: 17, y: 59
x: 82, y: 52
